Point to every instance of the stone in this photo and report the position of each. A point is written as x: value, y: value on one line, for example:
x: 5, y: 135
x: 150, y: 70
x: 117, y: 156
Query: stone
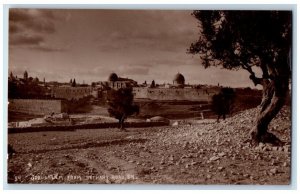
x: 274, y: 170
x: 266, y: 148
x: 175, y: 124
x: 221, y: 154
x: 220, y: 168
x: 208, y: 176
x: 214, y: 158
x: 274, y: 148
x: 261, y: 145
x: 286, y: 148
x: 29, y: 165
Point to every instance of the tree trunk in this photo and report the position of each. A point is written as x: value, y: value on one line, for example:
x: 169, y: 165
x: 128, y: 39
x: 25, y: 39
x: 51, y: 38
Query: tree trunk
x: 274, y: 95
x: 121, y: 123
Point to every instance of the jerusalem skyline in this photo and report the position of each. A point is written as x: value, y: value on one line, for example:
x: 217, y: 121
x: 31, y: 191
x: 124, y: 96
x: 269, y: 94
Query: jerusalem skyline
x: 90, y: 44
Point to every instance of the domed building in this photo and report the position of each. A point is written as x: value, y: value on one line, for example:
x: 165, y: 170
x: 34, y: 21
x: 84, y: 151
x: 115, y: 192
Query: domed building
x: 113, y: 77
x: 179, y: 80
x: 116, y: 82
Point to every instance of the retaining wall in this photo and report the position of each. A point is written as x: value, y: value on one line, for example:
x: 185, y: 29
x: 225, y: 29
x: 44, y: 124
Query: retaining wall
x: 36, y: 106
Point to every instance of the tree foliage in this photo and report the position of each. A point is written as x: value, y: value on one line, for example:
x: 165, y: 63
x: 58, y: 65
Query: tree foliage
x: 244, y: 40
x: 26, y: 89
x: 74, y: 83
x: 153, y: 85
x: 223, y: 102
x: 121, y: 105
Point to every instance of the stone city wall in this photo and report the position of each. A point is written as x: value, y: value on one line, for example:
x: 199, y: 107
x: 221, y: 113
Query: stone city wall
x: 36, y: 106
x: 190, y: 94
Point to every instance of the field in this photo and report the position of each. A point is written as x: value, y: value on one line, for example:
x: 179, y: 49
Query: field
x: 192, y: 152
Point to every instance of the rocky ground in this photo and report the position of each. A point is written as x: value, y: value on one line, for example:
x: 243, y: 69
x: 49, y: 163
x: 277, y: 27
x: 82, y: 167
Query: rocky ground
x: 192, y: 152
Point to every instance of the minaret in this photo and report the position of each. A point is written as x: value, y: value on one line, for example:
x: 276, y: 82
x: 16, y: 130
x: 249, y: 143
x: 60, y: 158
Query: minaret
x: 25, y: 75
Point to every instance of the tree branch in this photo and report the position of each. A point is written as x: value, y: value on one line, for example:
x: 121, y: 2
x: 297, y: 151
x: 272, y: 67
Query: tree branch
x: 252, y: 76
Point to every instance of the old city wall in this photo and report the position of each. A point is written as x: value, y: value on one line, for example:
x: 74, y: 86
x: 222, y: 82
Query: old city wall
x: 191, y: 94
x: 36, y: 106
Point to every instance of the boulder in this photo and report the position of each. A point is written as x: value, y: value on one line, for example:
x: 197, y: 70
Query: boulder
x: 159, y: 119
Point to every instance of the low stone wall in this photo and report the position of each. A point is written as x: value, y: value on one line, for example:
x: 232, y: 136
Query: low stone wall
x: 36, y: 106
x: 85, y: 126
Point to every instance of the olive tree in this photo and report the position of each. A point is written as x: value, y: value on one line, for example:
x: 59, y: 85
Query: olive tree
x: 121, y: 105
x: 245, y: 40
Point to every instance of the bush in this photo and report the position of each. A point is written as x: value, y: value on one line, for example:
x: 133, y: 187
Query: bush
x: 222, y: 103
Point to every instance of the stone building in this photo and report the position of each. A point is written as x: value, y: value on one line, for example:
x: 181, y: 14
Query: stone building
x: 69, y: 93
x: 116, y: 82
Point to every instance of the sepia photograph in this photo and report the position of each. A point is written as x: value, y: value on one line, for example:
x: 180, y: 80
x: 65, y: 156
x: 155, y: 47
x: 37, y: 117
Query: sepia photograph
x: 149, y: 96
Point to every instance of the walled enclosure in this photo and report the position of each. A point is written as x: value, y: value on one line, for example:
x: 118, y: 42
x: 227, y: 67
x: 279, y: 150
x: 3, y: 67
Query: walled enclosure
x: 190, y: 94
x: 36, y: 106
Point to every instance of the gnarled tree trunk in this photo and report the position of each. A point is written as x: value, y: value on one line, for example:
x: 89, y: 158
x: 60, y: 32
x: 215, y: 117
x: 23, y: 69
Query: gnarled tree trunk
x: 274, y: 96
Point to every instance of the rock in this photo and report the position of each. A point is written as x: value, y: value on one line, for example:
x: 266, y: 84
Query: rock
x: 175, y: 124
x: 261, y: 145
x: 159, y: 119
x: 214, y: 158
x: 266, y: 148
x: 193, y: 163
x: 29, y: 165
x: 274, y: 148
x: 186, y: 144
x: 61, y: 163
x: 274, y: 170
x: 221, y: 154
x: 208, y: 176
x: 284, y: 164
x: 220, y: 168
x: 287, y: 148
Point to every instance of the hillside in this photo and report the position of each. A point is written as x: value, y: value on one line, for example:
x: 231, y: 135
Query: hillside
x: 194, y: 152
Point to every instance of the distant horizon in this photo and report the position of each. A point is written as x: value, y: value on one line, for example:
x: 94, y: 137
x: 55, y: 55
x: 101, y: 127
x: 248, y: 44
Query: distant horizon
x: 88, y: 45
x: 68, y: 81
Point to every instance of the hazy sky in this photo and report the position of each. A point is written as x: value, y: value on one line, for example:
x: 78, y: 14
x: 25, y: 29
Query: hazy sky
x: 90, y: 44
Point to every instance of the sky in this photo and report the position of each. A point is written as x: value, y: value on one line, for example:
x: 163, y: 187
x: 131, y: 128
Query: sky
x: 89, y: 45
